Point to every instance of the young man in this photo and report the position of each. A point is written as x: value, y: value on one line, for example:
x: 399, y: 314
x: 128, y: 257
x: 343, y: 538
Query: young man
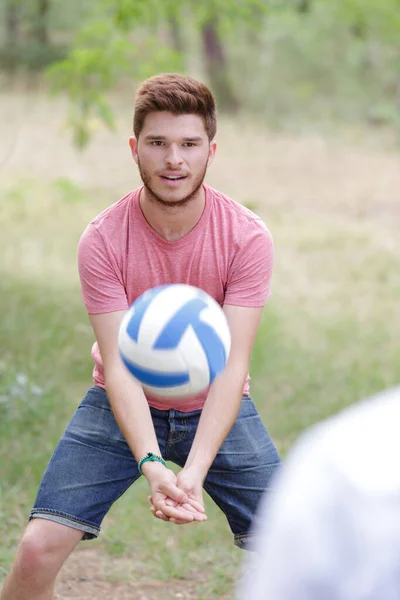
x: 173, y: 229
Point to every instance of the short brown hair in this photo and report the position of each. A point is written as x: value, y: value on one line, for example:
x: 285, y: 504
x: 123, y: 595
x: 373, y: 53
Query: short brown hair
x: 177, y: 94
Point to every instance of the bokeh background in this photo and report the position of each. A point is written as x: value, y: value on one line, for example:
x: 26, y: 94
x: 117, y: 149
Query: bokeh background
x: 309, y: 131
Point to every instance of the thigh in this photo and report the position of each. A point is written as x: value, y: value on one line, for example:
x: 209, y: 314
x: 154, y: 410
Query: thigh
x: 90, y: 469
x: 242, y: 470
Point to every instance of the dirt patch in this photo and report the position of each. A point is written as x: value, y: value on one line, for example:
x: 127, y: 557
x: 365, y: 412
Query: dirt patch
x: 86, y: 575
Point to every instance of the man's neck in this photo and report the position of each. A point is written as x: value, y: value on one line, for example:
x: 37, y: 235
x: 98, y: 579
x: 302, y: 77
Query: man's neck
x: 172, y: 223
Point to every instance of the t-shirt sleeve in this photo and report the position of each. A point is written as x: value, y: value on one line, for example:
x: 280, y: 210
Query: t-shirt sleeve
x: 101, y: 280
x: 251, y: 270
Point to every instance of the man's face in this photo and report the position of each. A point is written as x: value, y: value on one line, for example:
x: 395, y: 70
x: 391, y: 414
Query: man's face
x: 173, y: 153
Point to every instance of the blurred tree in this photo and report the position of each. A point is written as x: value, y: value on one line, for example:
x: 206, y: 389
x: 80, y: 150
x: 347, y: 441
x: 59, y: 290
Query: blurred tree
x: 12, y: 21
x: 331, y: 55
x: 304, y: 6
x: 176, y: 34
x: 27, y: 43
x: 217, y: 66
x: 135, y: 48
x: 12, y: 11
x: 41, y: 23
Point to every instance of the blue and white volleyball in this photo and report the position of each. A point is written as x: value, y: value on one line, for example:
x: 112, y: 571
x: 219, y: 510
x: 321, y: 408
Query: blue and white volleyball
x: 174, y: 340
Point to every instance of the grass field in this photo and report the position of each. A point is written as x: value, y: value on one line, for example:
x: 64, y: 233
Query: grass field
x: 329, y: 337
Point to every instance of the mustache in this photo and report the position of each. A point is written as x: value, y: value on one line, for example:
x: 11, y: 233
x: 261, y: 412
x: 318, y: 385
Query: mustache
x: 196, y: 185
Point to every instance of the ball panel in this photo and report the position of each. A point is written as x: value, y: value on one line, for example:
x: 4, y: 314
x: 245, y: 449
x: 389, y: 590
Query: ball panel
x: 162, y: 309
x: 156, y: 378
x: 138, y: 311
x: 195, y: 360
x: 186, y: 316
x: 216, y: 320
x: 162, y: 360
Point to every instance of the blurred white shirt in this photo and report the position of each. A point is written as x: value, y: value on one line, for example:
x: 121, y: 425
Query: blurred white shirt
x: 331, y: 528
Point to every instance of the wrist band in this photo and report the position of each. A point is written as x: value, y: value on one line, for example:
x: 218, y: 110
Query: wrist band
x: 152, y: 458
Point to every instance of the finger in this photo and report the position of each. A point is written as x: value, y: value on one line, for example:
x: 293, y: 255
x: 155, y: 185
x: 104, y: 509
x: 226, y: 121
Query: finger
x: 160, y: 515
x: 171, y: 502
x: 198, y: 516
x: 193, y: 508
x: 197, y: 505
x: 180, y: 522
x: 192, y: 505
x: 184, y: 509
x: 175, y: 512
x: 172, y: 491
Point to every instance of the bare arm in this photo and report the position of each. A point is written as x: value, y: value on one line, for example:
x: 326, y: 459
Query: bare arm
x: 223, y: 402
x: 133, y: 416
x: 126, y: 396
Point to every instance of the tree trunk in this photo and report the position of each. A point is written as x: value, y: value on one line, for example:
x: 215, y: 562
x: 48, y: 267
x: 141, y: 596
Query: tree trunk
x: 217, y: 68
x: 12, y: 23
x: 176, y: 35
x: 304, y: 6
x: 41, y: 32
x: 10, y: 50
x: 359, y: 29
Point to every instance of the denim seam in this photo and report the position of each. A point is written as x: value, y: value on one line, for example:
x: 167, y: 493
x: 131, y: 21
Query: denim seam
x: 60, y: 513
x: 241, y: 541
x: 241, y: 536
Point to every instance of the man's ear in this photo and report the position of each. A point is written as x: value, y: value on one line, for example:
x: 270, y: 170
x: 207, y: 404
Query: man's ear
x: 211, y: 154
x: 133, y: 146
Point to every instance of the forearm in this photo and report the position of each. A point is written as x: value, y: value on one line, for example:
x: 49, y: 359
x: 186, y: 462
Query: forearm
x: 133, y: 416
x: 132, y: 412
x: 218, y: 415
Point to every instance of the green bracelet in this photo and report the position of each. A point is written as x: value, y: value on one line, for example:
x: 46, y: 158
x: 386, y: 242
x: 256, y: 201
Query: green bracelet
x: 152, y: 458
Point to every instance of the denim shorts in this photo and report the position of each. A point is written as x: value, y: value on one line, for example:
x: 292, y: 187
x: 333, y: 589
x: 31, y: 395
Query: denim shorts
x: 92, y: 466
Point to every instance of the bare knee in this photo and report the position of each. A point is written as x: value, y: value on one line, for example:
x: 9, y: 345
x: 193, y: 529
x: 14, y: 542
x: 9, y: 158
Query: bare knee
x: 44, y: 548
x: 34, y: 555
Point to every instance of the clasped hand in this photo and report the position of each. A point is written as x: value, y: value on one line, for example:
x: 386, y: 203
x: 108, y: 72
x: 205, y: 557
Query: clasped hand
x: 176, y: 498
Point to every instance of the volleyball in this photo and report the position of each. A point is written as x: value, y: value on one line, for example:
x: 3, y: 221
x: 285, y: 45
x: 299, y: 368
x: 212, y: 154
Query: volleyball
x: 174, y: 340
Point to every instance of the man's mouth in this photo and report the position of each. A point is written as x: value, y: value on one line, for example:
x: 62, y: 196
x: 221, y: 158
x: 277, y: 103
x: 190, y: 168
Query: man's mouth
x: 173, y: 177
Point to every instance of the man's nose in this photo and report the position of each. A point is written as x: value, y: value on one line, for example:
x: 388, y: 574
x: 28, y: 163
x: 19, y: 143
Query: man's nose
x: 173, y: 157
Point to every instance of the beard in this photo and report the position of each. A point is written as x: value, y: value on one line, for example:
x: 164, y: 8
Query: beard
x: 153, y: 196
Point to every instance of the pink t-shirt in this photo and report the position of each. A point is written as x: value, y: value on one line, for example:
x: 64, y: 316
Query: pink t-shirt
x: 229, y: 254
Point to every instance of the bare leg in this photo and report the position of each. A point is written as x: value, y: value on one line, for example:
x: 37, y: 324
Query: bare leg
x: 43, y: 550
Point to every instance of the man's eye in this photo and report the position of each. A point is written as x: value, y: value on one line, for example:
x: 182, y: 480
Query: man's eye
x: 189, y: 144
x: 157, y: 143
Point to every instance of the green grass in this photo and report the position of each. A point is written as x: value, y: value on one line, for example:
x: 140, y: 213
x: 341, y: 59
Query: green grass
x: 329, y: 338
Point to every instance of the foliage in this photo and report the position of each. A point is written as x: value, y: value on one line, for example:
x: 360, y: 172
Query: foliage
x: 319, y: 68
x: 319, y: 60
x: 133, y: 48
x: 95, y: 67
